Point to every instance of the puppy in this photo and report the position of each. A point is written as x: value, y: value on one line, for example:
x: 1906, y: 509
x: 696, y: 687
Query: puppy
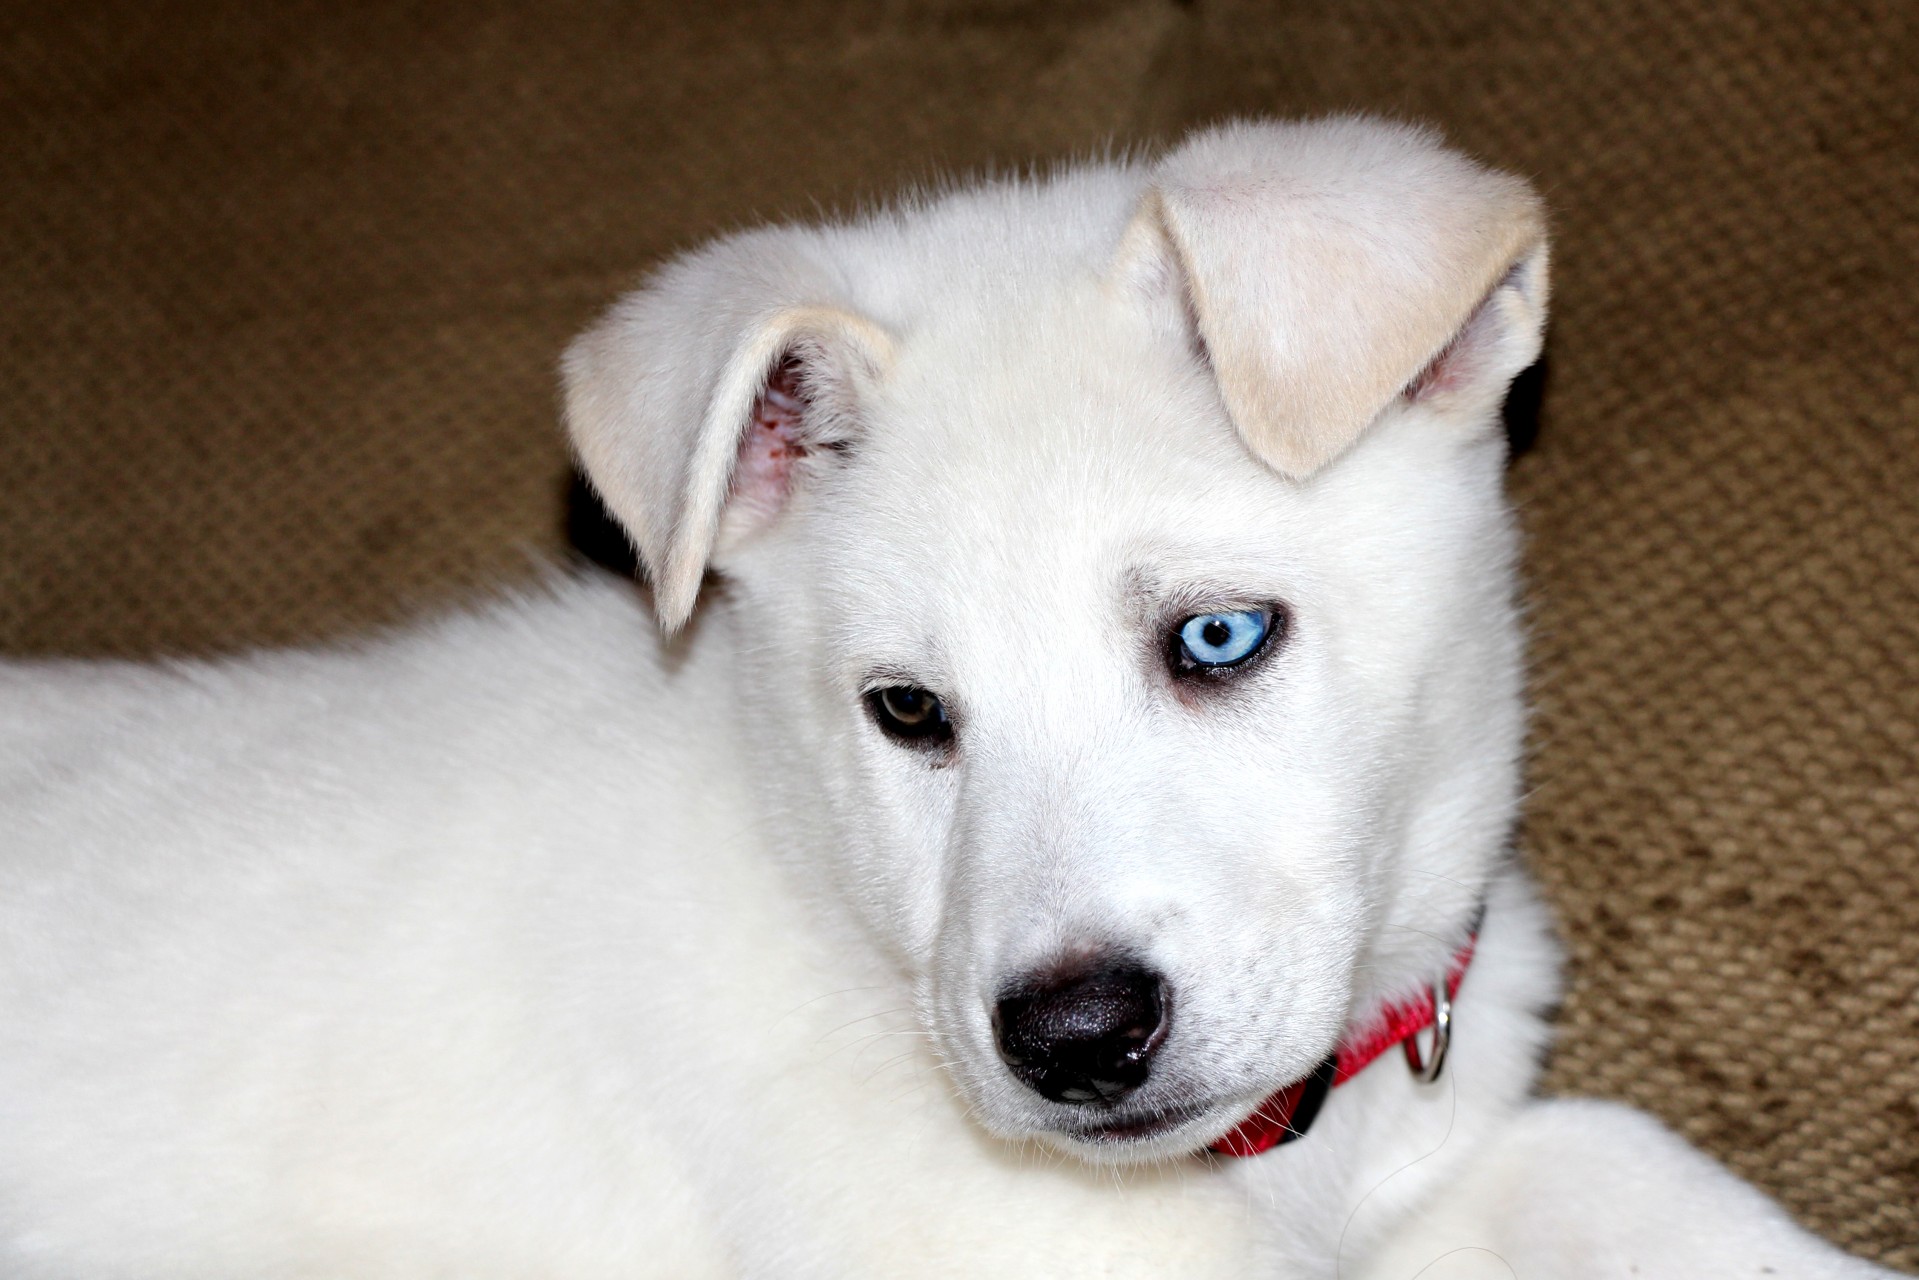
x: 1058, y: 826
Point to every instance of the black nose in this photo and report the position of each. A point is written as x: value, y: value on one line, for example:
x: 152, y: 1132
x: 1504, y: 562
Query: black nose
x: 1087, y: 1037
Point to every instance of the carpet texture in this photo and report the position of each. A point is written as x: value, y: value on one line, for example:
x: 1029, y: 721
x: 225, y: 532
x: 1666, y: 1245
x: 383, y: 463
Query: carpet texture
x: 286, y: 285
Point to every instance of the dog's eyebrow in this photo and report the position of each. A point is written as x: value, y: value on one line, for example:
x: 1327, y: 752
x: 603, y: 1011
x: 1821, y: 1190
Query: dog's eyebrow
x: 886, y: 675
x: 1149, y: 590
x: 1139, y: 585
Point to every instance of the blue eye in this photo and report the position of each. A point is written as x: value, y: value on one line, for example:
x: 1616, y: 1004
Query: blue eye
x: 1222, y: 639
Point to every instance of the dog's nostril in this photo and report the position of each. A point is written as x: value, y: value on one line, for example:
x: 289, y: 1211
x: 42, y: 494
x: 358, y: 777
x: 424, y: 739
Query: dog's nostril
x: 1089, y: 1037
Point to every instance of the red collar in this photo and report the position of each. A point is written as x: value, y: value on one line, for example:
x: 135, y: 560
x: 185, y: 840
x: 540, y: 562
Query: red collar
x: 1288, y: 1113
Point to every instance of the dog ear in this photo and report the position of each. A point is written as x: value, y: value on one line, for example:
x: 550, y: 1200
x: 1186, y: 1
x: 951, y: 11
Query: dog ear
x: 699, y: 402
x: 1327, y: 269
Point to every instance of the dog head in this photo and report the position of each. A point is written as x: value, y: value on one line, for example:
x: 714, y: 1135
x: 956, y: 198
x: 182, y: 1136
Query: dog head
x: 1122, y: 591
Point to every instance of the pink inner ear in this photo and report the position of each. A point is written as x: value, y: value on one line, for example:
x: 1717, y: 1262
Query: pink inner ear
x: 1474, y: 352
x: 1461, y: 361
x: 773, y: 444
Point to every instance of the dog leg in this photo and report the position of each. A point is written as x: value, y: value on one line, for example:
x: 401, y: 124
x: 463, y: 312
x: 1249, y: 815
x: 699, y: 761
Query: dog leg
x: 1593, y: 1189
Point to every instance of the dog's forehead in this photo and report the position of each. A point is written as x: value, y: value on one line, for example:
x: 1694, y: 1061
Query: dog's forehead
x: 1036, y: 393
x: 1047, y: 451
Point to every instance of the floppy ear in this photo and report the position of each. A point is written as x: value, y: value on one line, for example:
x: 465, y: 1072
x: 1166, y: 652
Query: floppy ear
x: 1330, y: 268
x: 700, y: 402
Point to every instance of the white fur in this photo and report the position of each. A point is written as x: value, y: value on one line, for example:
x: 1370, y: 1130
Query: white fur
x: 533, y: 943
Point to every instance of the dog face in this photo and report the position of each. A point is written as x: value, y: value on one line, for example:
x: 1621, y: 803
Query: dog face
x: 1122, y: 577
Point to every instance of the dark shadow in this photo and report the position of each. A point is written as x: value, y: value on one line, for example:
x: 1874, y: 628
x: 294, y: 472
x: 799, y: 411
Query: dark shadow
x: 1521, y: 413
x: 592, y: 532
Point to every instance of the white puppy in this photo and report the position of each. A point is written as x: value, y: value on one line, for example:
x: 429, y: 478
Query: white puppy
x: 1104, y: 715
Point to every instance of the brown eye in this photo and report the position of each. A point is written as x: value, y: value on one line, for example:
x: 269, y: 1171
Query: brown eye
x: 910, y: 714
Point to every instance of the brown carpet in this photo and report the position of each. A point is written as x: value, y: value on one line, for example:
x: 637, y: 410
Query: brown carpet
x: 285, y: 285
